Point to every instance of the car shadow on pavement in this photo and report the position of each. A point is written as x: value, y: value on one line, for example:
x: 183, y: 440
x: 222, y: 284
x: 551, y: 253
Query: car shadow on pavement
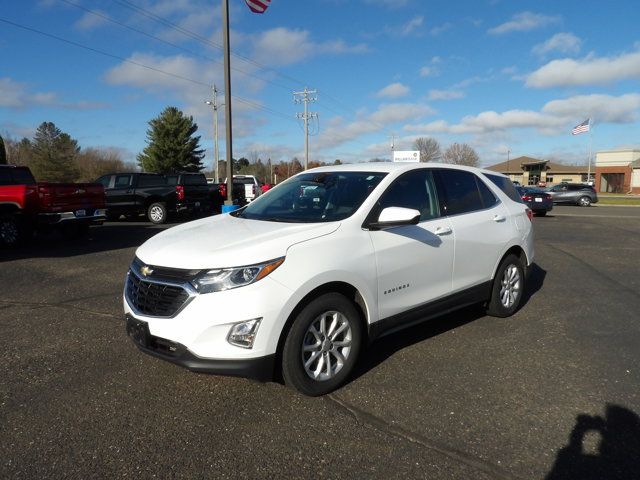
x: 601, y: 448
x: 388, y: 345
x: 110, y: 236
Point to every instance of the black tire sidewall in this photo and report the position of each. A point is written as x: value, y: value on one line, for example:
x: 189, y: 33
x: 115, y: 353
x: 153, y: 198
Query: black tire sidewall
x: 495, y: 307
x: 164, y: 210
x: 292, y: 369
x: 588, y: 204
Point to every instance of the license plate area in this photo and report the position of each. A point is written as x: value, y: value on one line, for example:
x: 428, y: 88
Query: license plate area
x: 138, y: 331
x: 538, y: 199
x: 81, y: 213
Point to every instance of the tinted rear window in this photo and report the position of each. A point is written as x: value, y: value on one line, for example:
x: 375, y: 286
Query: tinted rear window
x: 461, y: 194
x: 194, y: 179
x: 506, y: 185
x: 16, y: 176
x: 151, y: 181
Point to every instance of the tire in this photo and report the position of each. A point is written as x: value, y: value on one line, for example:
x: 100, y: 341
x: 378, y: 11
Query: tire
x: 10, y: 231
x: 157, y: 213
x: 508, y: 288
x: 304, y: 368
x: 584, y: 201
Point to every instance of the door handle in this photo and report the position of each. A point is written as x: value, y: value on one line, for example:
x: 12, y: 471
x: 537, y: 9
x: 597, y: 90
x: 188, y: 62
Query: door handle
x: 499, y: 218
x: 442, y: 231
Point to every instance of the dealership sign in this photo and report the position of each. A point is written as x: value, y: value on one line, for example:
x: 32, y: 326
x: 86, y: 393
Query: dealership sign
x: 406, y: 156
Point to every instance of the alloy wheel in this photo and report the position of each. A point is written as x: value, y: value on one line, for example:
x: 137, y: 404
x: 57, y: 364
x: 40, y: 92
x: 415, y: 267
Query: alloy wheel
x: 326, y: 345
x: 510, y: 286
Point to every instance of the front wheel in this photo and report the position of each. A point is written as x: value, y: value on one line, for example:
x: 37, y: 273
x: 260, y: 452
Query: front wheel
x: 157, y: 213
x: 322, y: 345
x: 508, y: 287
x: 584, y: 201
x: 9, y: 231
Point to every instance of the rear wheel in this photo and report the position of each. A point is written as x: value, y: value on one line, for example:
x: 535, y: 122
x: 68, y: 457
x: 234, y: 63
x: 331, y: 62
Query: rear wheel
x: 584, y: 201
x: 9, y: 230
x: 157, y: 213
x: 508, y: 287
x: 322, y: 345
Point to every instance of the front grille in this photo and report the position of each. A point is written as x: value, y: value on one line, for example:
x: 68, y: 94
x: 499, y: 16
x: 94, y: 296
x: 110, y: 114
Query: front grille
x: 155, y: 299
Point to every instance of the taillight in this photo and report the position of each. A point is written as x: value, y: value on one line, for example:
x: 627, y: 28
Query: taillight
x: 547, y: 196
x: 180, y: 192
x: 253, y: 189
x: 44, y: 193
x: 526, y: 198
x: 223, y: 190
x: 530, y: 214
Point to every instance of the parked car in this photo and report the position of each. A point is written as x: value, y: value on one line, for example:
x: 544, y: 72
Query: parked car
x: 574, y: 193
x: 302, y: 278
x: 155, y: 195
x: 251, y: 184
x: 27, y: 205
x: 539, y: 201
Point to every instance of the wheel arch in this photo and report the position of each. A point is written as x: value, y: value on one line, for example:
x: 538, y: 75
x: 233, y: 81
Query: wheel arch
x: 516, y: 250
x: 344, y: 288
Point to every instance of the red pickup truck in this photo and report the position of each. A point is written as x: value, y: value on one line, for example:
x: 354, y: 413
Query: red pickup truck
x: 27, y: 205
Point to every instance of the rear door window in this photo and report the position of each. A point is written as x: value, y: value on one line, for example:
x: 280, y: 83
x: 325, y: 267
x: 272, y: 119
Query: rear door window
x: 459, y: 191
x: 196, y: 179
x: 22, y: 176
x: 151, y: 180
x: 123, y: 181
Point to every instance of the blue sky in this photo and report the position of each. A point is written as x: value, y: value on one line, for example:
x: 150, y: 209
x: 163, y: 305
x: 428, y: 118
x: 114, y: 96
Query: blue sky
x: 500, y: 75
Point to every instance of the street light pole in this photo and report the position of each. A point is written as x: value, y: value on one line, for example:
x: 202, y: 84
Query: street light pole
x: 214, y: 104
x: 227, y: 100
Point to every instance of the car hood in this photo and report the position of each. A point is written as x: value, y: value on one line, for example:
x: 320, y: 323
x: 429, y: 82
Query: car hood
x: 227, y: 241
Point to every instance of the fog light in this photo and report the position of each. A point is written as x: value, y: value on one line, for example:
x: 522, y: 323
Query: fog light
x: 244, y: 333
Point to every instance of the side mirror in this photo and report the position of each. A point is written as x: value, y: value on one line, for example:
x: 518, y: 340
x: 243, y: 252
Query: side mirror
x: 395, y: 217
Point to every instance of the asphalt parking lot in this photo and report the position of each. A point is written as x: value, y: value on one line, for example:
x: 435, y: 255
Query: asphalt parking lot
x: 553, y: 392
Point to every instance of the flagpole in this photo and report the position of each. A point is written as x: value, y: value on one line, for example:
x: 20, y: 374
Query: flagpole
x: 590, y: 151
x: 227, y: 100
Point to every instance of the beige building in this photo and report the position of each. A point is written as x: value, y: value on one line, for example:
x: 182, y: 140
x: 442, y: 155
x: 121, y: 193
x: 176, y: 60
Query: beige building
x: 533, y: 171
x: 618, y: 171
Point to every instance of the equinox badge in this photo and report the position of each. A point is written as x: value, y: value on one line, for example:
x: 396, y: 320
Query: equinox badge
x: 146, y: 270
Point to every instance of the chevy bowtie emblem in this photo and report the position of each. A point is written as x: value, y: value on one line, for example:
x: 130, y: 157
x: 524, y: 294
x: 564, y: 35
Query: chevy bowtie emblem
x: 146, y: 270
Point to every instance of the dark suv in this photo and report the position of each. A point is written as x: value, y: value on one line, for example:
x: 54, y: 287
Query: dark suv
x: 574, y: 194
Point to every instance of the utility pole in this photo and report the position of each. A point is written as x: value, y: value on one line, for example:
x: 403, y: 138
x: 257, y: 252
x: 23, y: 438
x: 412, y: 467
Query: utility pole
x: 214, y: 105
x: 306, y: 97
x: 227, y: 100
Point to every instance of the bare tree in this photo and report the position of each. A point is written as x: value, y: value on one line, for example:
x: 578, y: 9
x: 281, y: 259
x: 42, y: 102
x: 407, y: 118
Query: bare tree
x: 461, y: 154
x: 429, y: 149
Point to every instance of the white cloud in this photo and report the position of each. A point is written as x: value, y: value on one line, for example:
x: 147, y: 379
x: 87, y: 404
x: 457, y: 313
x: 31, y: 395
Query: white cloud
x: 563, y: 42
x: 89, y: 21
x: 282, y: 46
x: 449, y: 94
x: 411, y: 26
x: 587, y: 71
x: 524, y: 22
x: 338, y: 132
x: 17, y: 95
x: 395, y: 90
x: 555, y: 118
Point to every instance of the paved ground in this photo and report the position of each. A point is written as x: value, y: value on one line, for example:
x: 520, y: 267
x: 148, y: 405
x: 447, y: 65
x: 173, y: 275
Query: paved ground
x: 550, y: 393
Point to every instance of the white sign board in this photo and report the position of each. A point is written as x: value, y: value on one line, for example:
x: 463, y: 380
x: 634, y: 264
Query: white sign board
x: 406, y: 156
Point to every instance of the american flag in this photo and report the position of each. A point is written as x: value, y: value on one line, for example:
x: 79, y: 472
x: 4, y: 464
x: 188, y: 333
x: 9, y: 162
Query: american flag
x: 581, y: 128
x: 258, y: 6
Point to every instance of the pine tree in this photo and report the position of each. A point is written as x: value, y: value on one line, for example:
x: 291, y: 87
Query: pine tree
x: 171, y: 146
x: 54, y: 154
x: 3, y: 152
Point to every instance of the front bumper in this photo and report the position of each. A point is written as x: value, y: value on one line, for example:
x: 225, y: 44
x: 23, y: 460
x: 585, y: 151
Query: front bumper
x: 259, y: 368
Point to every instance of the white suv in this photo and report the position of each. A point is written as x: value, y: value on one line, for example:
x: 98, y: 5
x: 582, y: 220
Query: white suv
x: 300, y: 279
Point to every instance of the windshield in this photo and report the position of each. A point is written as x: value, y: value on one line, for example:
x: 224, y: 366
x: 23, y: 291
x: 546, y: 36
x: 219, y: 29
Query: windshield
x: 314, y: 197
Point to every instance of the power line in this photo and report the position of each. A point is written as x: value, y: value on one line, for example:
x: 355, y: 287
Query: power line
x: 200, y: 38
x: 126, y: 60
x: 166, y: 42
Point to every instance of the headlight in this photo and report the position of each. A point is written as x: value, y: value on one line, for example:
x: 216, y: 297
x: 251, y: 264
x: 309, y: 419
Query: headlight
x: 228, y: 278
